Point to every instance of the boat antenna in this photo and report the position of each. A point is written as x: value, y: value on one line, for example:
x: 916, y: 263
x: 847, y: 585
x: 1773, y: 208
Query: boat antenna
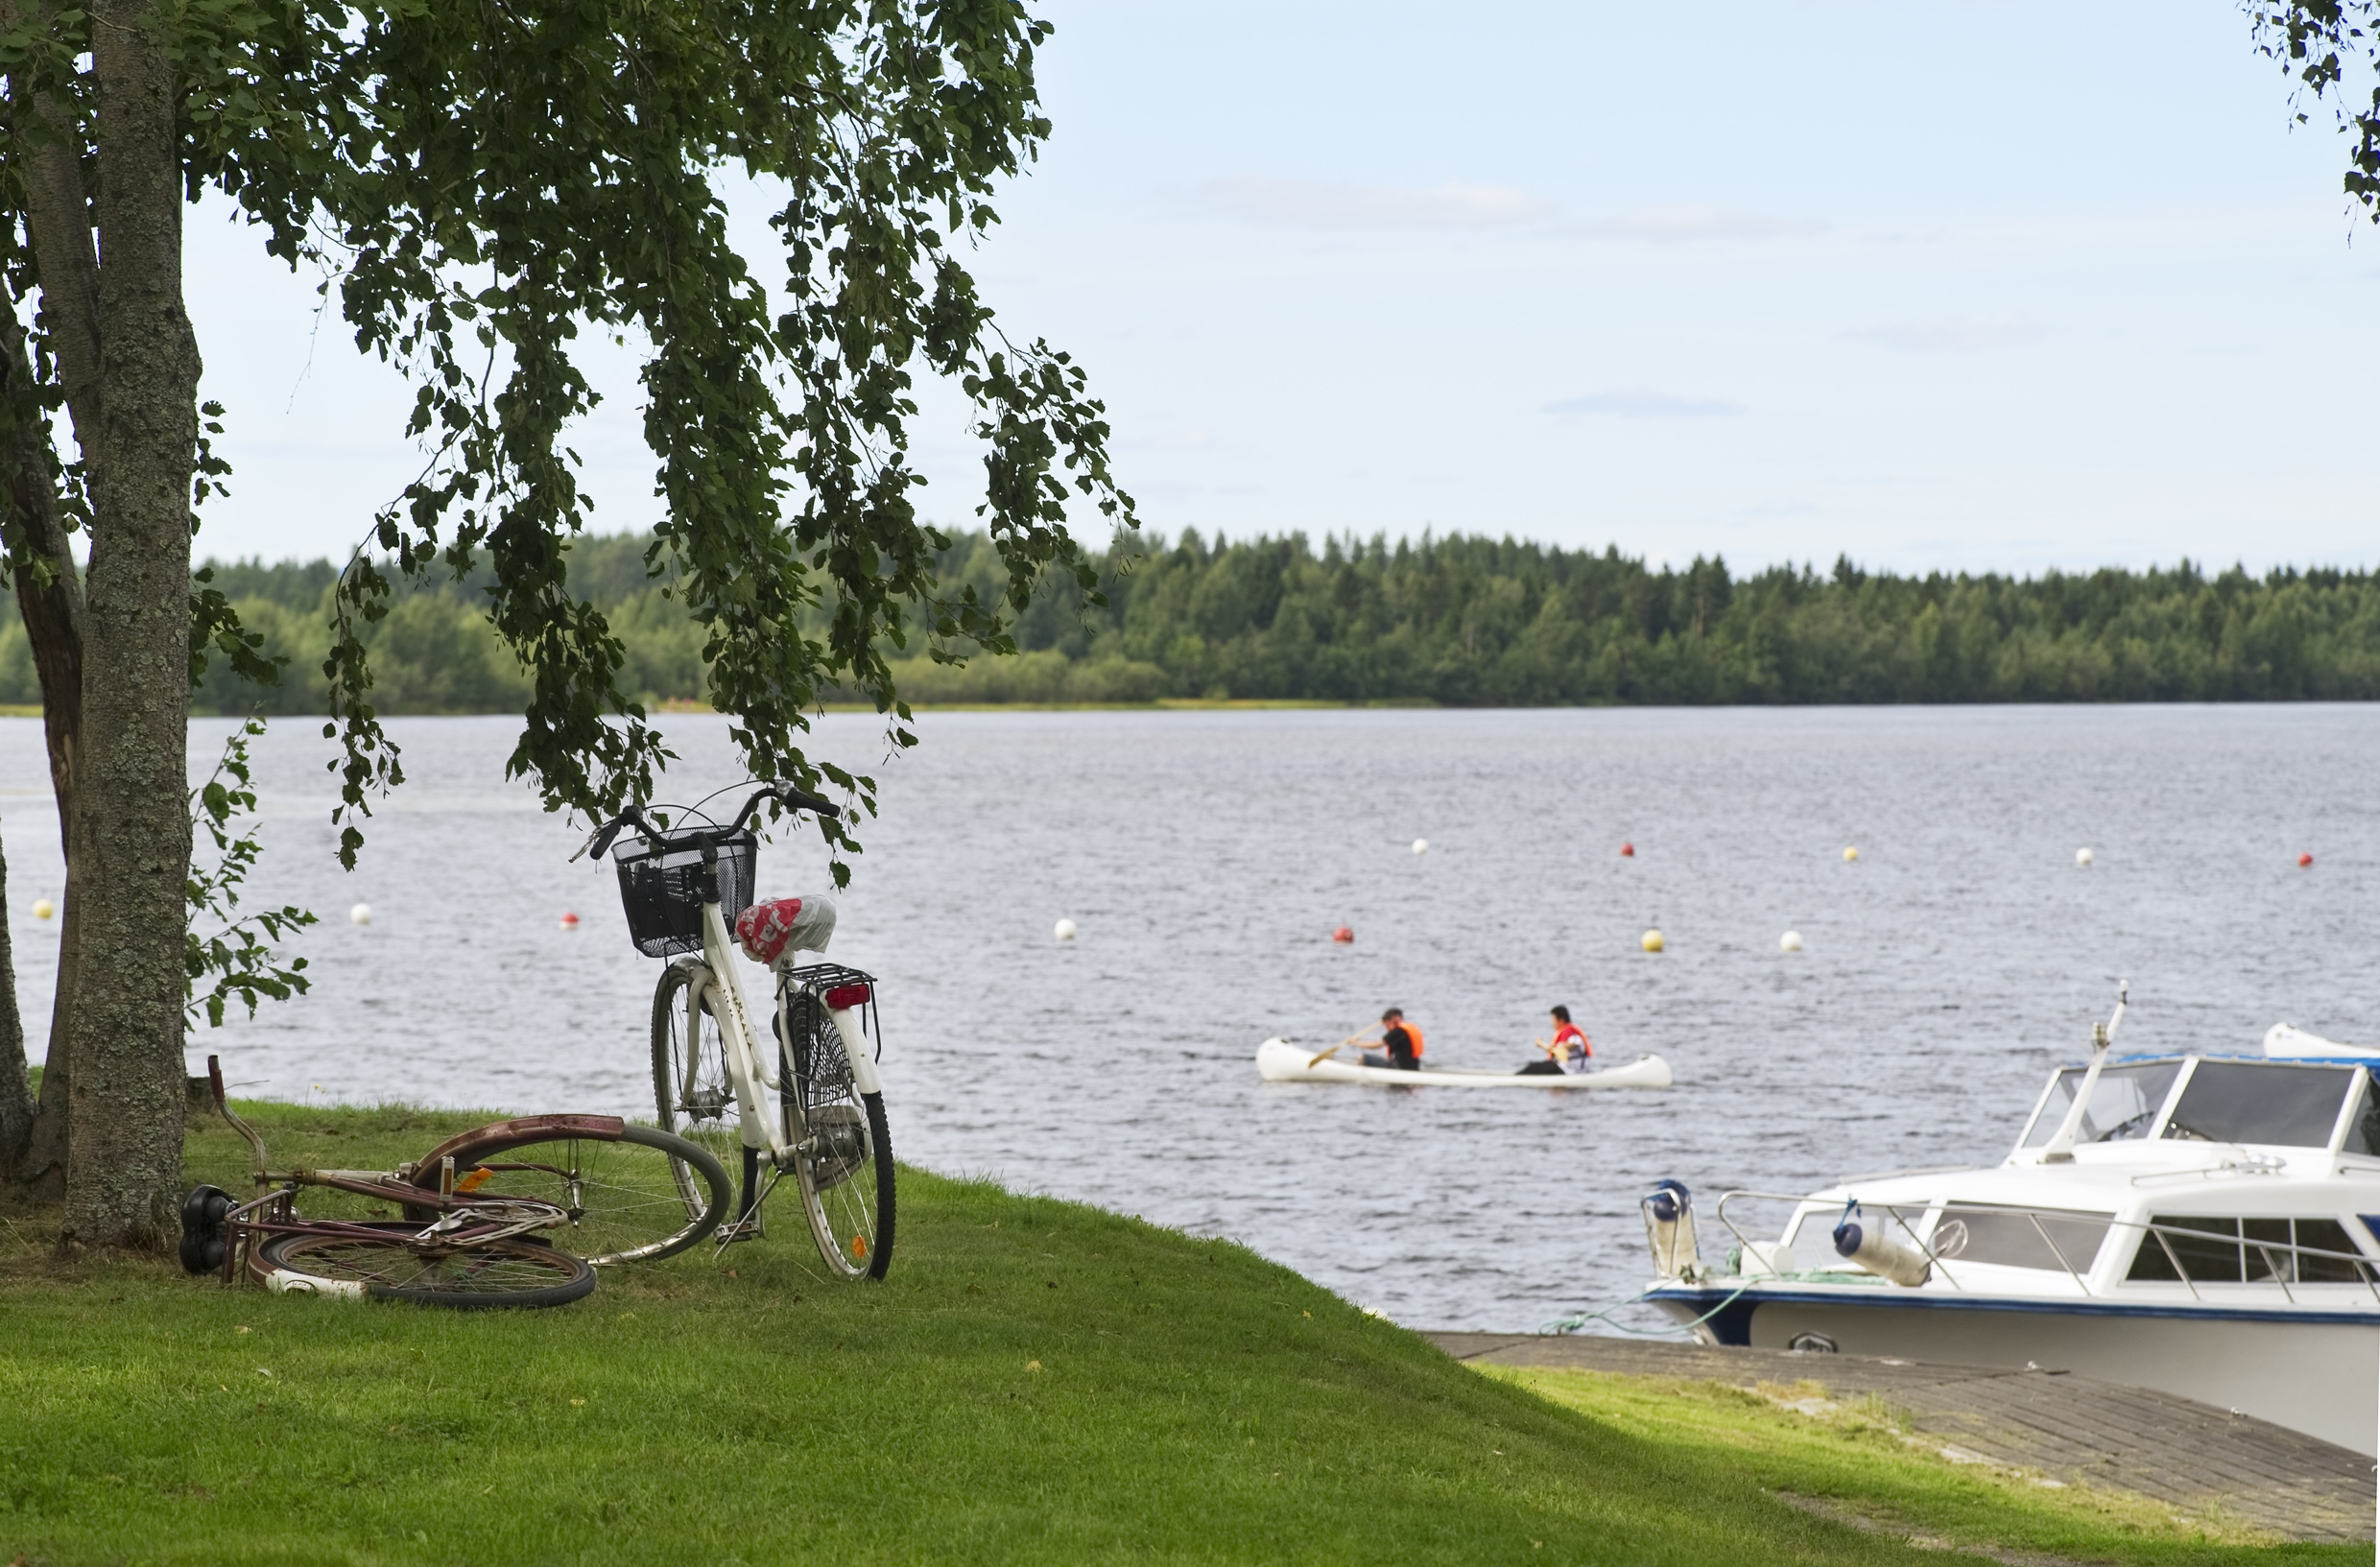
x: 2059, y: 1148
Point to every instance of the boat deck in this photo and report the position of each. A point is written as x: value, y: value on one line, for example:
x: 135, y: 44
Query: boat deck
x: 2069, y: 1428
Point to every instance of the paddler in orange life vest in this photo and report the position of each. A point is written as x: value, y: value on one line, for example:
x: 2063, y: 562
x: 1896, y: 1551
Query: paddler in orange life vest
x: 1568, y: 1052
x: 1402, y: 1041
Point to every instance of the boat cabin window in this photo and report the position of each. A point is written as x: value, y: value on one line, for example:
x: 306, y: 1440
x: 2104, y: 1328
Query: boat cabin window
x: 2248, y: 1251
x: 2363, y: 1130
x: 2051, y: 1238
x: 2124, y: 1103
x: 2261, y: 1102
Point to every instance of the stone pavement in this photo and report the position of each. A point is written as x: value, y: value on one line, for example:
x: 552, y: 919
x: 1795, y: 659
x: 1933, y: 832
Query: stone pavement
x: 2065, y: 1427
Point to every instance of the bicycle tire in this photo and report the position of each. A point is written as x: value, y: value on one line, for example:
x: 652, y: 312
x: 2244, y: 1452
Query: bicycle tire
x: 512, y: 1273
x: 694, y: 1098
x: 633, y: 1194
x: 842, y: 1161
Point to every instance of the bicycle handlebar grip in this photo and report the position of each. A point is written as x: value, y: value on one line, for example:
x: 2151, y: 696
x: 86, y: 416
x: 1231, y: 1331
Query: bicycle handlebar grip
x: 807, y: 802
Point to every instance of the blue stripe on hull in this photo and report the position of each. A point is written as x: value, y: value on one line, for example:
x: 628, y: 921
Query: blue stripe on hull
x: 1732, y: 1324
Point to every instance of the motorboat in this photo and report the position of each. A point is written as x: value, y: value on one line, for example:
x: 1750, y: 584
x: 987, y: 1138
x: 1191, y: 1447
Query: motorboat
x: 2205, y: 1224
x: 1284, y: 1061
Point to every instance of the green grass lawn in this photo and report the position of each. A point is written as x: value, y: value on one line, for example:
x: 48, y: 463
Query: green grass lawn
x: 1037, y: 1381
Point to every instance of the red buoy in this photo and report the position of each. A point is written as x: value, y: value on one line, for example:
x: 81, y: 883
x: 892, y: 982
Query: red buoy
x: 2304, y: 861
x: 570, y: 922
x: 1628, y: 851
x: 1342, y: 935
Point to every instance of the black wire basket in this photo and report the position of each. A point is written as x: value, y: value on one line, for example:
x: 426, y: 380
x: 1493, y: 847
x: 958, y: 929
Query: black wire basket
x: 662, y: 889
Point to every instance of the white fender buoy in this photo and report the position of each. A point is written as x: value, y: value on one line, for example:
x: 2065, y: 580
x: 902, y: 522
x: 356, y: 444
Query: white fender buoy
x: 360, y: 915
x: 1421, y: 846
x: 1063, y: 930
x: 41, y: 909
x: 1880, y: 1254
x: 1652, y: 941
x: 1790, y: 941
x: 1669, y: 1224
x: 2082, y: 857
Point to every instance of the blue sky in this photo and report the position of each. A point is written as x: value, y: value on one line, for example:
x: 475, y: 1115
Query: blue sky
x: 1984, y: 285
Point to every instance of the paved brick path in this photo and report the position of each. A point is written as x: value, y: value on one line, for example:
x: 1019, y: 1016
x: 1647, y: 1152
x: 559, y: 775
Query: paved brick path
x: 2067, y: 1427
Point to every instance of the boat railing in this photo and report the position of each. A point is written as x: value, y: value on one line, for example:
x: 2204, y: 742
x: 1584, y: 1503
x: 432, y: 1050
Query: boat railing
x: 1907, y: 1215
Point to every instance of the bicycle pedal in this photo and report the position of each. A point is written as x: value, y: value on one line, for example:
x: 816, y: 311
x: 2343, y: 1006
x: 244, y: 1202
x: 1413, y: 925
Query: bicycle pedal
x: 741, y: 1229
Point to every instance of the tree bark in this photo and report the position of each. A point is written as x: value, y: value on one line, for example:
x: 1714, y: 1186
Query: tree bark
x: 33, y: 1149
x: 47, y: 583
x: 15, y: 1098
x: 131, y: 827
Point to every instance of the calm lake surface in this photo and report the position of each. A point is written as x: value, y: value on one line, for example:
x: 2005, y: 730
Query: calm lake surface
x: 1206, y: 857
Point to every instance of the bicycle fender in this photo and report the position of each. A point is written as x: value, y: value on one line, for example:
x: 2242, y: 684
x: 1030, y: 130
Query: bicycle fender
x: 864, y: 1075
x: 501, y: 1133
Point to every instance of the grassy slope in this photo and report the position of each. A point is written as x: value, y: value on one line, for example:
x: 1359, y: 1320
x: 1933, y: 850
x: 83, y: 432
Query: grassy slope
x: 1038, y: 1380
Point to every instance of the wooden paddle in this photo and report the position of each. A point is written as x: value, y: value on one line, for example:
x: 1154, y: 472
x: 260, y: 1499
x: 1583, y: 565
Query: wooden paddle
x: 1352, y: 1038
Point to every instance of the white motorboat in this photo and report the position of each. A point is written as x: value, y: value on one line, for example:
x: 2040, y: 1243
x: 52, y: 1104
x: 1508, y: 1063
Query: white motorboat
x: 1279, y: 1060
x: 2204, y: 1223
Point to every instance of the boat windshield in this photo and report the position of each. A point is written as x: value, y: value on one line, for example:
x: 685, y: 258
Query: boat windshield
x: 2124, y: 1105
x: 2261, y: 1102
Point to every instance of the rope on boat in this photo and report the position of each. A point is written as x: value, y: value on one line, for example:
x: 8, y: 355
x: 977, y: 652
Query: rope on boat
x: 1572, y: 1325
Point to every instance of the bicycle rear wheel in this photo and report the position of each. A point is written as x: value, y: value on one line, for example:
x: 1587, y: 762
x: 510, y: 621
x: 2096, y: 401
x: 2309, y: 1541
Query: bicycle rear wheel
x: 842, y: 1158
x: 636, y: 1196
x: 393, y: 1266
x: 693, y: 1097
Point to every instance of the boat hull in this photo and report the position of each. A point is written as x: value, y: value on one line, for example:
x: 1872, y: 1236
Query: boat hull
x: 2315, y: 1372
x: 1277, y: 1061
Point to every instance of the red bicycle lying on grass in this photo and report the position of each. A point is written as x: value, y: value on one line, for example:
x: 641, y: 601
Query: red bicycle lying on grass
x: 516, y: 1213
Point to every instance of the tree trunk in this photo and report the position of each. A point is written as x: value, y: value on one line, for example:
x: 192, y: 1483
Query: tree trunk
x: 33, y: 1145
x: 131, y: 826
x: 16, y: 1097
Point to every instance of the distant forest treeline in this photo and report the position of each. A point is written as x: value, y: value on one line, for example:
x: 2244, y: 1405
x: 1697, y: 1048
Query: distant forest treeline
x: 1459, y: 621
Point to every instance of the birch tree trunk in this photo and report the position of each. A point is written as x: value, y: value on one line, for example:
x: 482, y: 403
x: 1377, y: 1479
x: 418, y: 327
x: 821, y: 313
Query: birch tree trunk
x: 131, y: 842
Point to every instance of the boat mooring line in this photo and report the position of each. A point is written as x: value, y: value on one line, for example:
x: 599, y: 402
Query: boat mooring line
x: 1572, y: 1325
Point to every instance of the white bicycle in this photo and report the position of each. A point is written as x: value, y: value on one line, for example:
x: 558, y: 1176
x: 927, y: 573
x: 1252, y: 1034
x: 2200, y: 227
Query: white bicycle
x: 686, y: 882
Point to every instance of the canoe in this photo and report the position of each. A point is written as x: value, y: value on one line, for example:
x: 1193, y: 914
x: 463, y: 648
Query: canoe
x: 1278, y: 1060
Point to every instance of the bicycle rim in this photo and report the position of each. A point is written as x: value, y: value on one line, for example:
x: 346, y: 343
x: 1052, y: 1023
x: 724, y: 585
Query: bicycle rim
x: 645, y: 1196
x: 842, y: 1163
x: 492, y: 1275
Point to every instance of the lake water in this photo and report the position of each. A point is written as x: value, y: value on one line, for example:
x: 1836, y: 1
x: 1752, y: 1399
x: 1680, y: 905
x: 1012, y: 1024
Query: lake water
x: 1207, y: 856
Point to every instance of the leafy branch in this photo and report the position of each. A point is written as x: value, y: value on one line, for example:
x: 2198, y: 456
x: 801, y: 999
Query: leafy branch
x: 240, y: 956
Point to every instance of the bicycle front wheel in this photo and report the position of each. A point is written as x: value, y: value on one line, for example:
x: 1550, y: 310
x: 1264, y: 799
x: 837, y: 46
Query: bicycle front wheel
x: 637, y: 1197
x: 395, y: 1266
x: 692, y: 1093
x: 843, y: 1151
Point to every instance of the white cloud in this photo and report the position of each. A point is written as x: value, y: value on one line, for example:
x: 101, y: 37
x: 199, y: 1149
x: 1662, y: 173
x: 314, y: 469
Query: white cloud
x: 1693, y: 225
x: 1645, y: 403
x: 1317, y: 204
x: 1951, y: 334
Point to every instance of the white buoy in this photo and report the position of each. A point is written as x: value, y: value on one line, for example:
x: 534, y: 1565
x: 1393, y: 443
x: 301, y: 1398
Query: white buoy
x: 1064, y: 930
x: 360, y: 915
x: 41, y: 909
x: 1790, y: 941
x: 1421, y: 846
x: 2082, y: 857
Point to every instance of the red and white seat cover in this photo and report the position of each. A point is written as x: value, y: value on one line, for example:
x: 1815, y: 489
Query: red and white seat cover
x: 779, y: 927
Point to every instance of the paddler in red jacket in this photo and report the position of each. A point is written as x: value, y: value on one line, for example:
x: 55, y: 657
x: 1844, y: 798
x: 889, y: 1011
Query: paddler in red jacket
x: 1569, y: 1051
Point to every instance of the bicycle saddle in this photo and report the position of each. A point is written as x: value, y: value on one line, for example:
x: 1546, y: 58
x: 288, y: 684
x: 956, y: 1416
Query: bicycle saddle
x: 780, y: 927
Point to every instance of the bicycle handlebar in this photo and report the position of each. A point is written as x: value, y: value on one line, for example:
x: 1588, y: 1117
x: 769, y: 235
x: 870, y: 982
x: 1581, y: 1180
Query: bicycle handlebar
x: 792, y: 799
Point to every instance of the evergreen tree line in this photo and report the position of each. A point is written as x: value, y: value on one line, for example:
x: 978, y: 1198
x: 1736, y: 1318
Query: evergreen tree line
x: 1459, y: 621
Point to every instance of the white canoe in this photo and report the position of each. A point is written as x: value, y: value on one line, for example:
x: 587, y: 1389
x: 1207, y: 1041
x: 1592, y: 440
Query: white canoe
x: 1277, y: 1061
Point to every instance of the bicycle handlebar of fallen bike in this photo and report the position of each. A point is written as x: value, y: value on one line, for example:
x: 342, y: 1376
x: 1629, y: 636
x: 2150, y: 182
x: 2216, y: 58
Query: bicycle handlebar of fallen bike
x: 788, y: 794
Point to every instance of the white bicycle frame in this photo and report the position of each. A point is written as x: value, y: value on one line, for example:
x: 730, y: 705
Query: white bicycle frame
x: 747, y: 1068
